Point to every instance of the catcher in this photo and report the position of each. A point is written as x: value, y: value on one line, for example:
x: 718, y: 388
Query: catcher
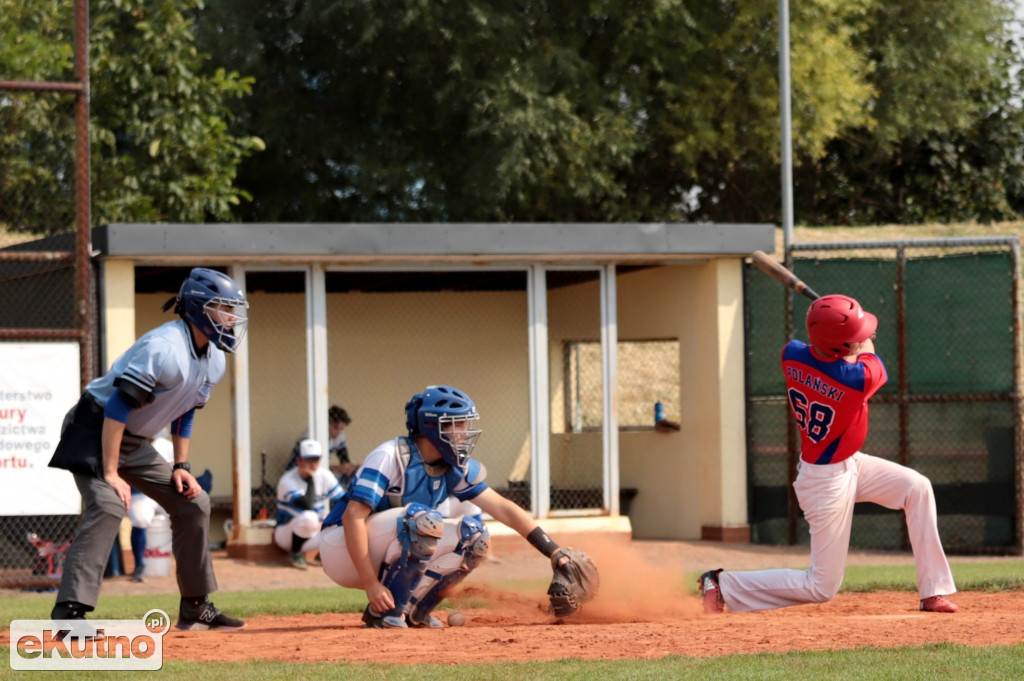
x: 404, y: 531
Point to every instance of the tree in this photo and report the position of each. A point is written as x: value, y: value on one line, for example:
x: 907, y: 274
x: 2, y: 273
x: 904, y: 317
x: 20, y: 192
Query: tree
x: 405, y: 110
x: 948, y: 125
x: 159, y: 128
x: 610, y: 110
x: 36, y: 130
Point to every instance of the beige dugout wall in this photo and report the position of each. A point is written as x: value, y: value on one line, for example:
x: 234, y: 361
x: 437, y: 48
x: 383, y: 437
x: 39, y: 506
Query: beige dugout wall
x: 685, y: 490
x: 380, y: 353
x: 385, y: 347
x: 692, y: 483
x: 277, y: 380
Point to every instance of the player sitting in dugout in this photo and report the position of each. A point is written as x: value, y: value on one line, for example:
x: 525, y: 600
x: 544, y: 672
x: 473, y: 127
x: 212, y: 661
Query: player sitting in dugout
x: 402, y: 532
x: 337, y: 445
x: 304, y: 494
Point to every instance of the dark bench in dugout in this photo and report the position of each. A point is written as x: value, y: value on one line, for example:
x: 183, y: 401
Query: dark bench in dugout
x: 567, y: 498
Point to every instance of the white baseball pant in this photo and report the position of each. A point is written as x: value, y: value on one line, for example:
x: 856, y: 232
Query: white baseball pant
x: 826, y: 494
x: 305, y: 525
x: 382, y: 530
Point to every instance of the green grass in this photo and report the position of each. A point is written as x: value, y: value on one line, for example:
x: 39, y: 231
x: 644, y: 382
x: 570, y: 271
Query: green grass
x: 925, y: 663
x: 985, y: 576
x: 238, y: 603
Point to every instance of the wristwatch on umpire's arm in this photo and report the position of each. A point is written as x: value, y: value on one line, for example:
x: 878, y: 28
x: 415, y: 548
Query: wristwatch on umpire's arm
x: 183, y: 465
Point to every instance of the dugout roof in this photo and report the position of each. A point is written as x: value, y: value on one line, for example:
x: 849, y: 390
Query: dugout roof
x: 477, y: 243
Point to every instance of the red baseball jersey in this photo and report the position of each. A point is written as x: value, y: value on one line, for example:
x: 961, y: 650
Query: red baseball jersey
x: 829, y: 400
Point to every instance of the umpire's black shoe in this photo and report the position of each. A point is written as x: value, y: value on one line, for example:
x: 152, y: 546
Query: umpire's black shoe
x: 205, y: 617
x: 69, y: 610
x: 71, y: 618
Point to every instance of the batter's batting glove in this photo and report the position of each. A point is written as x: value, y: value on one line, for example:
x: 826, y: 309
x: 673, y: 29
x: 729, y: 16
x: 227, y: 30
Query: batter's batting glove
x: 574, y: 582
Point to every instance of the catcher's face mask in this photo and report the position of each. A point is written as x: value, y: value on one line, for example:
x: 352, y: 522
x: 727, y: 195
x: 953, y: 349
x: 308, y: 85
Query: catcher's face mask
x: 455, y: 431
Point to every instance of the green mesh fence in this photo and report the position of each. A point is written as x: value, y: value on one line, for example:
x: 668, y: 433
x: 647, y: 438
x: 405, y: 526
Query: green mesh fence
x: 951, y: 409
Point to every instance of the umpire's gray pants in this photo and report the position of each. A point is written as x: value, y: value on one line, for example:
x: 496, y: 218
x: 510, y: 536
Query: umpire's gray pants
x: 143, y: 468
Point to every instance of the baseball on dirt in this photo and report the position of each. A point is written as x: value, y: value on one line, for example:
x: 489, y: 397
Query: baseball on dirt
x: 456, y: 619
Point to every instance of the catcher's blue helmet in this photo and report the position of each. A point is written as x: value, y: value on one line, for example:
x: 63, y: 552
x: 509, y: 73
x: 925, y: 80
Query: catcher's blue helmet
x: 442, y: 414
x: 198, y: 302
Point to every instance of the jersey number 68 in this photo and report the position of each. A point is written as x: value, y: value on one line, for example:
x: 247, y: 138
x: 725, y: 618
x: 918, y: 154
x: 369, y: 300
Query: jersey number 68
x: 814, y: 418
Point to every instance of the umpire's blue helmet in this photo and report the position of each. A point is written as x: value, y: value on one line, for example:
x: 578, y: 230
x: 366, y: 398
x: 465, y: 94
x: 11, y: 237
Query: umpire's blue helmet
x: 215, y: 304
x: 442, y: 414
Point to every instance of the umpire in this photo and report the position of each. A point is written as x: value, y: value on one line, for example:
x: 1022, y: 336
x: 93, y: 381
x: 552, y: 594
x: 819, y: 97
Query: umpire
x: 161, y: 379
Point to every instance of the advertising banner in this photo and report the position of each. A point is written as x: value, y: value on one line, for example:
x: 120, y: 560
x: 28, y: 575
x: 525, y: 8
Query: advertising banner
x: 39, y: 383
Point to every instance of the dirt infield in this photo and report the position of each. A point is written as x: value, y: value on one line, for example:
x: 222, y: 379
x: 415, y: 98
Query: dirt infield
x: 516, y: 630
x: 639, y: 613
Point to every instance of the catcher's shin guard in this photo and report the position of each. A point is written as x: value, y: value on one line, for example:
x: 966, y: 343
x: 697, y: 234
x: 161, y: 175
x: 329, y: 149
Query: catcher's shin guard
x: 420, y: 608
x: 473, y: 546
x: 419, y: 529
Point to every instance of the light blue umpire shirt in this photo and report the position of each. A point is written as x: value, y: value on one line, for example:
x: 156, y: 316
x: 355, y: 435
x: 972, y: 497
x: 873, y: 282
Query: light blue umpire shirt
x: 165, y: 364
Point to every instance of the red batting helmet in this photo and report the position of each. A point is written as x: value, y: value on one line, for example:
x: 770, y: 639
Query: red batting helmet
x: 834, y: 321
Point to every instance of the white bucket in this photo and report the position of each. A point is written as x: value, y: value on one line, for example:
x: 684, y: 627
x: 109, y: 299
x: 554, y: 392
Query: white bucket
x: 158, y: 547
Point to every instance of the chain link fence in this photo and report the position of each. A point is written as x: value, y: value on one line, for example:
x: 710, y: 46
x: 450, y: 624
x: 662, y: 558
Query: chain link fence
x: 38, y: 307
x: 949, y: 333
x: 47, y: 288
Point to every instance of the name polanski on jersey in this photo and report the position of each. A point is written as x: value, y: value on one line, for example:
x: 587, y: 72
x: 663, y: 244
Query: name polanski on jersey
x: 815, y: 383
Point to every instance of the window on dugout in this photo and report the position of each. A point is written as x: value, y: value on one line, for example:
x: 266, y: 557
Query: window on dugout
x: 648, y: 372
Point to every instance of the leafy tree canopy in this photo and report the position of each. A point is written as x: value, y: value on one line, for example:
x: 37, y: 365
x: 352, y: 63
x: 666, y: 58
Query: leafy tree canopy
x: 161, y: 144
x: 611, y: 110
x: 413, y: 110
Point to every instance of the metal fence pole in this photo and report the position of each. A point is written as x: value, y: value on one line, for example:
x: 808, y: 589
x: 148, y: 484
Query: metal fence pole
x: 1018, y: 398
x: 83, y: 202
x: 792, y: 436
x: 903, y: 371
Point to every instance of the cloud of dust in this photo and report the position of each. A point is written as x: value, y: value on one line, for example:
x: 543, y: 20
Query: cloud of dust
x: 632, y: 590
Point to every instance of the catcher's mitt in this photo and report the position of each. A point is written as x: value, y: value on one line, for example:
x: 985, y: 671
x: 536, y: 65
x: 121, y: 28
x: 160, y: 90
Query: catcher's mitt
x: 573, y: 583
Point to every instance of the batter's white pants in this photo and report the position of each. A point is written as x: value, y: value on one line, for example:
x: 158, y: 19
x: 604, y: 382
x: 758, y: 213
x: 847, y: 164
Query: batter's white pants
x: 826, y: 495
x: 305, y: 525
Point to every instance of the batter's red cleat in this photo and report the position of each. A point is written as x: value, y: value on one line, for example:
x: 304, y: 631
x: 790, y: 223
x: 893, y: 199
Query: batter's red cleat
x: 708, y: 585
x: 938, y: 604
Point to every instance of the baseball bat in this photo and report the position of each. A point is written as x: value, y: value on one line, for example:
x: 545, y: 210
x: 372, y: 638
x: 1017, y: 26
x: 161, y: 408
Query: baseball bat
x: 774, y: 269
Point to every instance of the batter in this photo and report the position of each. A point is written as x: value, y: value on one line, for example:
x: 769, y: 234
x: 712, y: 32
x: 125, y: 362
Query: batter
x: 828, y: 385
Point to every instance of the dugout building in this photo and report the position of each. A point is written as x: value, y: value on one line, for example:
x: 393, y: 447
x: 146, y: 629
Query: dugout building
x: 627, y: 375
x: 606, y: 360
